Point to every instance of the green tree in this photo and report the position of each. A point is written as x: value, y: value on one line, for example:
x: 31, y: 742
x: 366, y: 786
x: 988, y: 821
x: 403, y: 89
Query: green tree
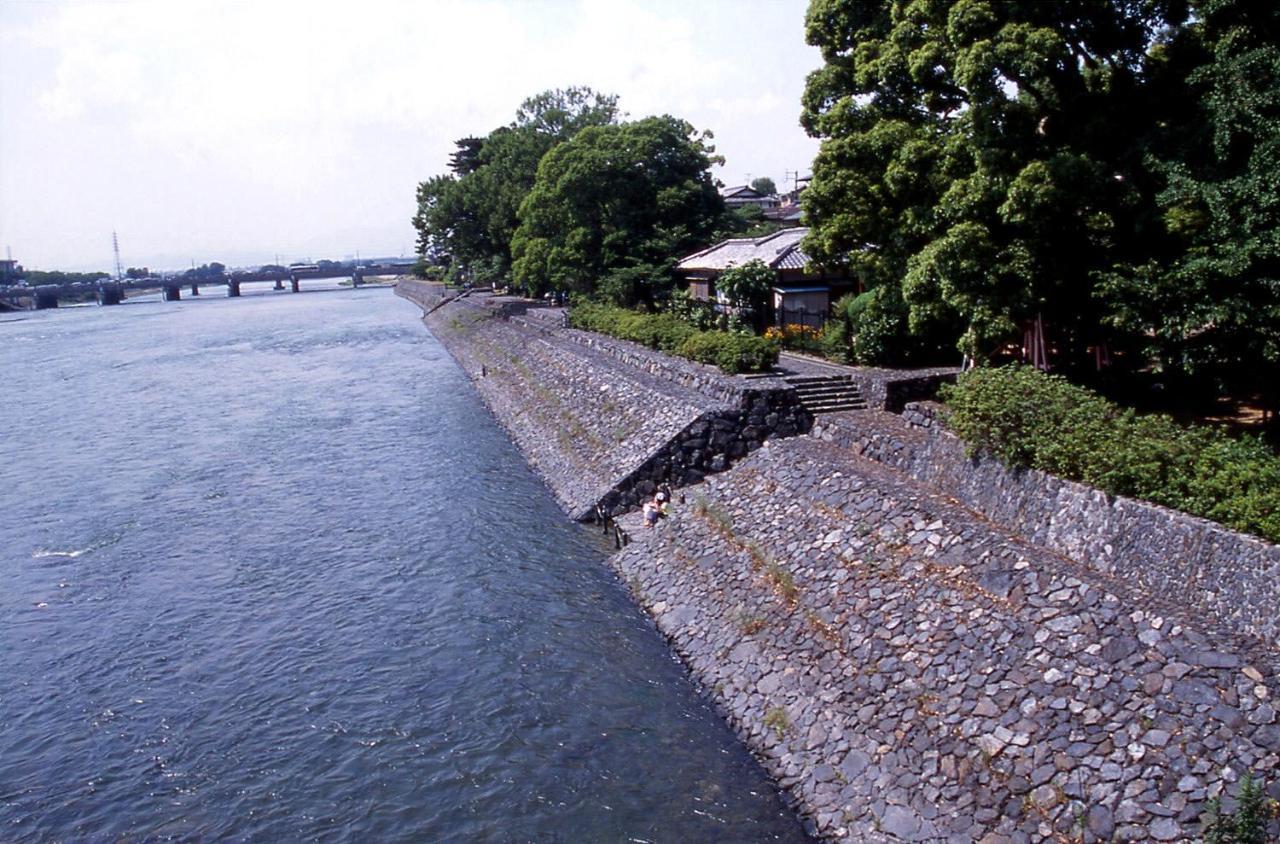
x: 1212, y: 306
x: 469, y: 217
x: 613, y: 207
x: 37, y: 277
x: 764, y: 185
x: 970, y: 155
x: 747, y: 286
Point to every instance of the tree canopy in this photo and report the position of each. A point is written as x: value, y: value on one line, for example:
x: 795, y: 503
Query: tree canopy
x: 614, y: 206
x: 1211, y: 303
x: 972, y: 154
x: 764, y: 185
x: 469, y: 215
x: 1105, y: 168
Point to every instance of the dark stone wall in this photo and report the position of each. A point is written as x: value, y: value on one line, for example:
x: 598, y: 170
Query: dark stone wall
x: 603, y: 421
x: 1229, y: 577
x: 909, y: 671
x: 891, y: 389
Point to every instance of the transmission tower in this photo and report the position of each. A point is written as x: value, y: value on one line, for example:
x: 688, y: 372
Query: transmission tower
x: 115, y: 244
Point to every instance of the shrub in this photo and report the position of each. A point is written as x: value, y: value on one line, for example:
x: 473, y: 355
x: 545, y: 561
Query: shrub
x: 628, y: 287
x: 700, y: 313
x: 732, y: 352
x: 1028, y: 418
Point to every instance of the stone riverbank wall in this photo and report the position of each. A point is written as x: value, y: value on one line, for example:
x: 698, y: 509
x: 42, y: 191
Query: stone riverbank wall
x: 908, y: 663
x: 910, y: 671
x: 602, y: 421
x: 1228, y: 577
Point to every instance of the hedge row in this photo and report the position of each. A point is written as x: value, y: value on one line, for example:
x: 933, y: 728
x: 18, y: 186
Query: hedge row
x: 731, y: 351
x: 1028, y: 418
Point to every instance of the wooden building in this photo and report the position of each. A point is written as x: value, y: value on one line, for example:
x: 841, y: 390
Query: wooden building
x: 801, y: 296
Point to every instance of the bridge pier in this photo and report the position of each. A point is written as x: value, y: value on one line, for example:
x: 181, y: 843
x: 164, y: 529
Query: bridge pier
x: 233, y: 288
x: 295, y: 284
x: 280, y: 282
x: 356, y: 278
x: 110, y: 293
x: 195, y: 289
x: 46, y: 296
x: 172, y: 292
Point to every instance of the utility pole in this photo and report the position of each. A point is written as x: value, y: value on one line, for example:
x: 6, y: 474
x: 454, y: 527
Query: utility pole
x: 115, y: 245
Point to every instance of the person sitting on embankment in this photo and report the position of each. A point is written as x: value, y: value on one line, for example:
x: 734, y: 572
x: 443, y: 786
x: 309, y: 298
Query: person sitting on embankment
x: 655, y: 508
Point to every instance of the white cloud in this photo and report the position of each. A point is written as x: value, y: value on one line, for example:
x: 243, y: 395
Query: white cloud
x: 302, y: 118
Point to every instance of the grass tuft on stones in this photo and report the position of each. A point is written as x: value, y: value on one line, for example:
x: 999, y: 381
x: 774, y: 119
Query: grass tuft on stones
x: 713, y: 513
x: 781, y: 578
x: 776, y: 719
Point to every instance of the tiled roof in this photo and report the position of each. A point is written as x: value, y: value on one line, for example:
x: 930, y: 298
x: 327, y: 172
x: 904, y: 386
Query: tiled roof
x: 780, y: 250
x: 785, y: 213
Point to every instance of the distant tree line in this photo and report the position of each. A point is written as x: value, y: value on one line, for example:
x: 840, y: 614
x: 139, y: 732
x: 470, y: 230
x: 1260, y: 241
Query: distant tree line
x: 1107, y: 173
x: 35, y: 278
x: 569, y: 197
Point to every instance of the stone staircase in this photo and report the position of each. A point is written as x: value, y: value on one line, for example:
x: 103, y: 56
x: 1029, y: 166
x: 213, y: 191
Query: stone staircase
x: 827, y: 393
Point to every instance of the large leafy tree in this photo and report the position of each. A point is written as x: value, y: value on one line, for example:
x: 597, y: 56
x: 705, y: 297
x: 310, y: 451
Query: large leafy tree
x: 971, y: 154
x: 614, y: 206
x: 1212, y: 306
x: 470, y: 215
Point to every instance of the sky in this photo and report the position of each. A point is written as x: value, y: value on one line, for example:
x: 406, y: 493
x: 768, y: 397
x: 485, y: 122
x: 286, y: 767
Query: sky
x: 239, y: 131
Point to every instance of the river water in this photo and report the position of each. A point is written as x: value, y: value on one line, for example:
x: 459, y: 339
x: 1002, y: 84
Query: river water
x: 269, y: 571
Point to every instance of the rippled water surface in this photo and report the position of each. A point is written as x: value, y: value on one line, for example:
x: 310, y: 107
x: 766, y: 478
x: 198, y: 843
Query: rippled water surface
x: 269, y: 571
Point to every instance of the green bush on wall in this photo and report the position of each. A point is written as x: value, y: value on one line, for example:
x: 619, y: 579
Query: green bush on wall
x: 731, y: 351
x: 1028, y: 418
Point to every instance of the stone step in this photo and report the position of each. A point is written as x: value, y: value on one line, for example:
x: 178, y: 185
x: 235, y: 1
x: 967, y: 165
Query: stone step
x: 835, y: 407
x: 827, y: 393
x: 803, y: 380
x: 834, y: 390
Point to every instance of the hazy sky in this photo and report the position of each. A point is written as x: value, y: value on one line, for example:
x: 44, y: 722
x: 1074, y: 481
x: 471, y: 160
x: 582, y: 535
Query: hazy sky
x: 234, y: 131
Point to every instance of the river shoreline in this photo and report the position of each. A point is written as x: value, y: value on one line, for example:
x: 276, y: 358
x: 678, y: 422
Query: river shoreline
x: 905, y: 668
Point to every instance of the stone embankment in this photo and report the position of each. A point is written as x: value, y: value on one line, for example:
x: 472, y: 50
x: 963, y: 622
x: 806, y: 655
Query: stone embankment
x: 910, y: 671
x: 919, y: 645
x: 1227, y: 577
x: 603, y: 421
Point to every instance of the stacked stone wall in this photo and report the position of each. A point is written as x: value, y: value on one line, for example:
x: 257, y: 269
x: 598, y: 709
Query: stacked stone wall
x: 909, y: 671
x: 893, y: 389
x: 919, y: 646
x: 602, y: 421
x: 1230, y: 577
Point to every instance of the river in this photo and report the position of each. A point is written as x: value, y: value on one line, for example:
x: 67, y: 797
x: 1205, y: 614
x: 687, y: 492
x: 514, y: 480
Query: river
x: 271, y: 572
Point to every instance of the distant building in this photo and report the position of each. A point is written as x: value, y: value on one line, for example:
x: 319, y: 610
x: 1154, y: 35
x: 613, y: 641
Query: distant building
x: 801, y: 296
x: 788, y: 214
x: 11, y: 272
x: 737, y: 197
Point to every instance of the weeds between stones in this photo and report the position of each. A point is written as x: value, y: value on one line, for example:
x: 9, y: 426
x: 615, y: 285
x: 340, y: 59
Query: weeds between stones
x: 781, y: 578
x: 1248, y: 823
x: 823, y: 629
x: 715, y: 514
x: 776, y: 719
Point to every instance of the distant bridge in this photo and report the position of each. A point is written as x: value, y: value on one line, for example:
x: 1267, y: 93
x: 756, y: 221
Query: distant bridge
x: 111, y: 292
